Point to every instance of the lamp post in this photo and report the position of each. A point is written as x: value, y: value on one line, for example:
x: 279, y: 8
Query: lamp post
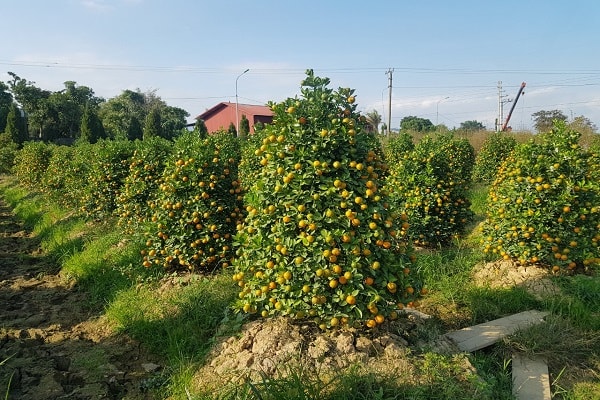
x: 437, y: 109
x: 237, y: 117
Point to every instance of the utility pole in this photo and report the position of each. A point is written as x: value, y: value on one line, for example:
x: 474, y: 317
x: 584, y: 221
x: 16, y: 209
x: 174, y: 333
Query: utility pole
x: 389, y: 127
x: 237, y: 116
x: 499, y: 118
x: 501, y: 103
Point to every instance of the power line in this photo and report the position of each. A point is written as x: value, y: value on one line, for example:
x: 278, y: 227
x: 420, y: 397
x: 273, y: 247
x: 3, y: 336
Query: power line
x: 218, y: 70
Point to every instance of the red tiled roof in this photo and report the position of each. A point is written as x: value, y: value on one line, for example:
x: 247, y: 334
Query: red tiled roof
x: 248, y: 109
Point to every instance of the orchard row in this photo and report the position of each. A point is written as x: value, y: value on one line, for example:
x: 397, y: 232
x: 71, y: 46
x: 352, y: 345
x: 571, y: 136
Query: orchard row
x: 315, y: 217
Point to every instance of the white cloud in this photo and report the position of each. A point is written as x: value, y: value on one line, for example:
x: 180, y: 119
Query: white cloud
x: 96, y: 5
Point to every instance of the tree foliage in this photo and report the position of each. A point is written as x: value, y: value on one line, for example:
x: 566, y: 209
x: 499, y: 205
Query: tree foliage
x: 583, y: 125
x: 8, y: 152
x: 416, y: 124
x: 134, y: 130
x: 52, y: 115
x: 373, y: 119
x: 6, y: 101
x: 200, y: 128
x: 91, y: 126
x: 232, y: 130
x: 471, y: 126
x: 543, y: 206
x: 543, y: 120
x: 120, y: 115
x: 319, y: 241
x: 16, y: 128
x: 244, y: 126
x: 153, y: 124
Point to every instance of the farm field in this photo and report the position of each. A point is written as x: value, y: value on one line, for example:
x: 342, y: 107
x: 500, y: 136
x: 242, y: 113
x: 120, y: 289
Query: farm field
x: 314, y: 259
x: 89, y: 311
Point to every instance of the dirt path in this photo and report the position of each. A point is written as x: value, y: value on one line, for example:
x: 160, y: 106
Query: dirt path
x: 51, y: 345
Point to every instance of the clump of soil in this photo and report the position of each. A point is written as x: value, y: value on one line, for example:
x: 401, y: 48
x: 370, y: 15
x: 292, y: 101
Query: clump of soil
x: 51, y: 345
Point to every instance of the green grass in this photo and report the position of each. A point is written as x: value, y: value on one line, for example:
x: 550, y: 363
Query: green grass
x: 178, y: 317
x: 441, y: 377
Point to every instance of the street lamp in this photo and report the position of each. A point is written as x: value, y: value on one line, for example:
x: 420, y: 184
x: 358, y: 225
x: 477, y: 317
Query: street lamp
x: 437, y: 109
x: 237, y: 117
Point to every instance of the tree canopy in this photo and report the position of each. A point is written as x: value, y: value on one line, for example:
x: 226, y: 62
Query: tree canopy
x: 91, y: 126
x: 53, y: 115
x: 416, y: 124
x: 472, y: 126
x: 543, y: 120
x: 374, y: 119
x: 583, y: 125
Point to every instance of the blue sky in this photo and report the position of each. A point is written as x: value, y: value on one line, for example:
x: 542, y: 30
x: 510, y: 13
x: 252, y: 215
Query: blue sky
x: 447, y: 56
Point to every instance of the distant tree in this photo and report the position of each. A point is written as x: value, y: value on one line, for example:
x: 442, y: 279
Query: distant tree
x: 69, y: 105
x: 173, y: 120
x: 258, y: 126
x: 52, y: 115
x: 134, y: 129
x: 91, y: 126
x: 118, y: 113
x: 232, y: 129
x: 374, y: 119
x: 383, y: 128
x: 16, y: 128
x: 471, y: 126
x: 244, y: 126
x: 6, y: 101
x: 34, y: 101
x: 416, y: 124
x: 152, y: 125
x: 543, y: 120
x: 442, y: 128
x: 583, y: 125
x: 200, y: 128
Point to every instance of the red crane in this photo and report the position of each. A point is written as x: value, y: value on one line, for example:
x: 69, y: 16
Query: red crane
x: 505, y: 127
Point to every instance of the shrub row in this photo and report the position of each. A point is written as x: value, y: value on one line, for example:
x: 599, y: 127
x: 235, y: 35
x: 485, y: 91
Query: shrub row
x: 544, y: 205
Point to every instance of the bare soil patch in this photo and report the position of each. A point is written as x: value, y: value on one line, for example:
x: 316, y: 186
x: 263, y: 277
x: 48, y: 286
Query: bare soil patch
x: 52, y: 344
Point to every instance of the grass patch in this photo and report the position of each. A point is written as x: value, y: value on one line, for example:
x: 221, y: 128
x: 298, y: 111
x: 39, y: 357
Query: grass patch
x: 434, y: 376
x: 478, y: 197
x: 179, y: 324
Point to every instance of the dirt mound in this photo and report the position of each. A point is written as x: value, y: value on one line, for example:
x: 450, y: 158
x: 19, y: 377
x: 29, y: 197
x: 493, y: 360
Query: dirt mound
x: 506, y: 274
x: 51, y: 345
x: 271, y: 348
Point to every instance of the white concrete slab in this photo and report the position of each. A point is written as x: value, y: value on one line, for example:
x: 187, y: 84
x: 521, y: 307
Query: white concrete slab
x: 531, y: 380
x: 479, y: 336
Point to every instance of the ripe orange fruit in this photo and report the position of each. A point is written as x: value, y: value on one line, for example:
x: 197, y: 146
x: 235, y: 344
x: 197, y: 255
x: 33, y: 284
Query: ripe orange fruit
x: 351, y: 300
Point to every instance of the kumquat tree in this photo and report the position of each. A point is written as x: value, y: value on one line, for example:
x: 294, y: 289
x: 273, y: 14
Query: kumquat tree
x: 319, y: 240
x: 544, y: 205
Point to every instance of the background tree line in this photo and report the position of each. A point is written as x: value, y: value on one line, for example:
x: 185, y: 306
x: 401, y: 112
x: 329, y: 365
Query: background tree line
x: 542, y: 122
x: 75, y: 112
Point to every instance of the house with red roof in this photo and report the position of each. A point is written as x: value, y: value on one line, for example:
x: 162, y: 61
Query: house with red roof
x: 223, y: 114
